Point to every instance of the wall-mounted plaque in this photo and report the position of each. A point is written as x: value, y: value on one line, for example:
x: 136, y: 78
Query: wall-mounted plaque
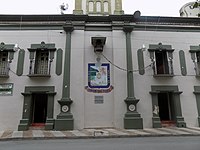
x: 6, y: 89
x: 98, y: 99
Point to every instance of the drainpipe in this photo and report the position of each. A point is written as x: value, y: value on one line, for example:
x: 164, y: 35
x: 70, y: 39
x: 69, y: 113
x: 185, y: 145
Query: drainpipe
x: 132, y: 119
x: 65, y: 119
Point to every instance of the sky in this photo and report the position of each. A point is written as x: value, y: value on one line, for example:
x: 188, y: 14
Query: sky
x: 146, y: 7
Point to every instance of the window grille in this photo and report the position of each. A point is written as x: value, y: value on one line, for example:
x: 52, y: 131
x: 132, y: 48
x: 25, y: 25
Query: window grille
x: 42, y: 63
x: 41, y: 56
x: 4, y: 63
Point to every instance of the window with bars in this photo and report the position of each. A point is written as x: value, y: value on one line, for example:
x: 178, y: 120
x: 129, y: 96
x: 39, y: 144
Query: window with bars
x: 195, y: 55
x: 4, y: 65
x: 42, y: 63
x: 41, y: 57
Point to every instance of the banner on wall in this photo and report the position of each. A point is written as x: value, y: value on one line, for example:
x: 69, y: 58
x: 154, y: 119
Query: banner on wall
x: 99, y: 78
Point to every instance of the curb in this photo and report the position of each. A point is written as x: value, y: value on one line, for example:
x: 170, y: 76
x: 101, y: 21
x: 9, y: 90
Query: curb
x: 109, y: 133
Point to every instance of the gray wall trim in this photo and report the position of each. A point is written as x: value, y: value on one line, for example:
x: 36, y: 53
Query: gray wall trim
x: 182, y: 63
x: 136, y: 28
x: 160, y: 46
x: 20, y: 63
x: 194, y: 49
x: 142, y: 23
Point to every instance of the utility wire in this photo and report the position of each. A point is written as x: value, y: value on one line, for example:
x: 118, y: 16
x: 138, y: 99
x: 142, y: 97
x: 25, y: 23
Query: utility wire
x: 123, y: 69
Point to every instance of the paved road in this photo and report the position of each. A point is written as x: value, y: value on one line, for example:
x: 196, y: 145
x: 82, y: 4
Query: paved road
x: 143, y: 143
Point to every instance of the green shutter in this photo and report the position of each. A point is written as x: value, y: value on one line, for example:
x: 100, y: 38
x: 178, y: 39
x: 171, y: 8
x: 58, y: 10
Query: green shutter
x: 59, y: 57
x: 140, y: 61
x: 20, y: 63
x: 182, y: 63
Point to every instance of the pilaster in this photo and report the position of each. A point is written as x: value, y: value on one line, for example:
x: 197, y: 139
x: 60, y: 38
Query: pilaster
x: 132, y: 119
x: 118, y: 7
x: 78, y: 7
x: 25, y: 121
x: 197, y: 94
x: 65, y: 119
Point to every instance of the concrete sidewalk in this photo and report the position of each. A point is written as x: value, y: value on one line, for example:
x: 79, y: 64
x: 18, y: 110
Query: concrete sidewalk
x: 98, y: 133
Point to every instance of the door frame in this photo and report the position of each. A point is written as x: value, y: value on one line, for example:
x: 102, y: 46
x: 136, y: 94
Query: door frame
x: 155, y: 90
x: 26, y: 120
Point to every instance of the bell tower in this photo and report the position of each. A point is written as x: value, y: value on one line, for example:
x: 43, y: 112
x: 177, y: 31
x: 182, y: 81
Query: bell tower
x: 98, y: 7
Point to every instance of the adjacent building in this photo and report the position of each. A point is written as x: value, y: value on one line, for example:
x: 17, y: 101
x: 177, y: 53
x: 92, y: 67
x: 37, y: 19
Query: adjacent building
x: 99, y: 68
x: 191, y: 9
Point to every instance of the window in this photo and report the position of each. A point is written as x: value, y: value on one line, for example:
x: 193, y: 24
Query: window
x: 41, y: 57
x: 162, y: 59
x: 198, y: 63
x: 6, y: 57
x: 91, y: 6
x: 195, y: 55
x: 42, y: 62
x: 4, y: 65
x: 106, y: 7
x: 98, y: 6
x: 162, y: 66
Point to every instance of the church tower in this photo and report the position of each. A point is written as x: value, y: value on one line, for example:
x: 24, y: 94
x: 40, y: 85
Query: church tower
x: 98, y: 7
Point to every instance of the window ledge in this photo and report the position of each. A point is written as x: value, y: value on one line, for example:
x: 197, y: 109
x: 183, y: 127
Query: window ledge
x: 39, y: 75
x: 163, y: 75
x: 4, y: 76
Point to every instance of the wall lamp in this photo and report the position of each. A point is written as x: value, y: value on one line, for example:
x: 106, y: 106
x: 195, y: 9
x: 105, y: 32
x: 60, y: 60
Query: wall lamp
x: 98, y: 43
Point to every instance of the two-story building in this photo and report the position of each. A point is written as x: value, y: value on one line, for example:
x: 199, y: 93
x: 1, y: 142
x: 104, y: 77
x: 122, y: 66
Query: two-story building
x: 99, y: 68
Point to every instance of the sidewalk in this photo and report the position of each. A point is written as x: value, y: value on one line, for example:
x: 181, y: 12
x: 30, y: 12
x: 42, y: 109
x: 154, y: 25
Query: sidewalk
x: 98, y: 133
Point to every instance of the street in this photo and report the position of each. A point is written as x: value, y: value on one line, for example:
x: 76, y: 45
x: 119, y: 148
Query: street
x: 139, y: 143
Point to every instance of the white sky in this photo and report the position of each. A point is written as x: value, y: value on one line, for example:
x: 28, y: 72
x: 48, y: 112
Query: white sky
x: 146, y: 7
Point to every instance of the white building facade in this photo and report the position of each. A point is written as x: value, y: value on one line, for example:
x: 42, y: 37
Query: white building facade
x: 83, y: 71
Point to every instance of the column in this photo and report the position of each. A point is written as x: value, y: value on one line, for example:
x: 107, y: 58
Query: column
x: 197, y: 94
x: 78, y: 7
x: 132, y: 119
x: 49, y: 125
x: 155, y: 107
x: 118, y: 7
x: 65, y: 119
x: 179, y: 118
x: 25, y: 121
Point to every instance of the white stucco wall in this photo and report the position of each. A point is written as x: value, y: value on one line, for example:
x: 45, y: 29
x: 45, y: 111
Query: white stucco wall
x: 12, y: 106
x: 179, y: 41
x: 111, y: 113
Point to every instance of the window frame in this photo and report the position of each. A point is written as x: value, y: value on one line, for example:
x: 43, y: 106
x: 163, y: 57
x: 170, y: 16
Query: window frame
x: 194, y: 50
x: 168, y: 52
x: 9, y: 50
x: 34, y: 50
